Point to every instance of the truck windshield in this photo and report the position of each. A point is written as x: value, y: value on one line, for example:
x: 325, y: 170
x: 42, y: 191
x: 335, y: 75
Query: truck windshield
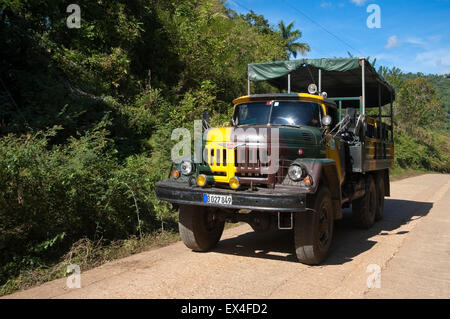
x: 252, y: 113
x: 277, y: 113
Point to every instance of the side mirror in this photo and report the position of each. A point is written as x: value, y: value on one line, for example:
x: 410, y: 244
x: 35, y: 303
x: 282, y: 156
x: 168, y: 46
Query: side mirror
x: 326, y: 121
x: 205, y: 120
x: 360, y: 123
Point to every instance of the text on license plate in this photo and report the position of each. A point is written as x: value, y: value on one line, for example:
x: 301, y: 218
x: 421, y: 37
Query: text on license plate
x: 217, y: 199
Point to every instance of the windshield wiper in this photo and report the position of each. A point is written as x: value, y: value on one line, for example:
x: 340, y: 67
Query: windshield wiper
x: 252, y: 124
x: 288, y: 125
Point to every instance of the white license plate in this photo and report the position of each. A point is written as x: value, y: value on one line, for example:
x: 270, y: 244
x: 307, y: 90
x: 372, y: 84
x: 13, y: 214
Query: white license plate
x: 217, y: 199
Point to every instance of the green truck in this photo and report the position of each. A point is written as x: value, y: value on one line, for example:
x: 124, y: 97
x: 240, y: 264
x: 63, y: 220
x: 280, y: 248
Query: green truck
x: 292, y: 161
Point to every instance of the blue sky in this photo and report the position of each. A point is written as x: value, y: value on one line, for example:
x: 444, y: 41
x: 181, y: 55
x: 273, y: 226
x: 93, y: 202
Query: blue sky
x: 414, y: 34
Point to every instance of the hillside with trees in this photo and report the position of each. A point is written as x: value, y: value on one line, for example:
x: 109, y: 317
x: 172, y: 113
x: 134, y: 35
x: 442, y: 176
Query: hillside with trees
x: 86, y: 117
x: 86, y: 114
x: 442, y: 85
x: 422, y: 136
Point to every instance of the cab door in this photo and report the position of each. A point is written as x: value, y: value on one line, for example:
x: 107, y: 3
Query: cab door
x: 335, y: 149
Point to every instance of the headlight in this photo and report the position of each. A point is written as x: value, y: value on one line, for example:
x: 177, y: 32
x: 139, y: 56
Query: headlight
x: 202, y: 180
x: 312, y: 89
x: 186, y: 168
x: 296, y: 172
x: 326, y: 120
x: 234, y: 182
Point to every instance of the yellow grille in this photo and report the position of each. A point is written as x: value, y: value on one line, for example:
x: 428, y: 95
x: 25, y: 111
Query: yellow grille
x: 221, y: 160
x: 217, y: 157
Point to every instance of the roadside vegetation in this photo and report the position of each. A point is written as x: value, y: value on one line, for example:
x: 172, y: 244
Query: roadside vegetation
x: 86, y: 117
x: 421, y: 136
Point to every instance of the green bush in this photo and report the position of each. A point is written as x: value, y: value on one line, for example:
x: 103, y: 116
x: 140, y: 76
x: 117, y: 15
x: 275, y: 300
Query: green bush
x: 429, y: 150
x: 148, y: 66
x: 51, y: 196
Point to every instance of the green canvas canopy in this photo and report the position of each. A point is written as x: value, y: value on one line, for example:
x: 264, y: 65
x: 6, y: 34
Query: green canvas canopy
x: 341, y: 77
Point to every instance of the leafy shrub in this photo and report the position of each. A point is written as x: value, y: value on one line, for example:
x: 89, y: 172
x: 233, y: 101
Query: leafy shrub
x: 429, y: 150
x: 50, y: 196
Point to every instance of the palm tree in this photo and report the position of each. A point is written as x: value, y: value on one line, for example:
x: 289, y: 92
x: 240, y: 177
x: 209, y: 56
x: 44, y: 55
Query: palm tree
x: 291, y: 36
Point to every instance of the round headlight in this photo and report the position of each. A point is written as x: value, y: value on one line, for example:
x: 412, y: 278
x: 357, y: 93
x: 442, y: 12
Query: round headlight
x: 202, y: 180
x: 186, y: 168
x: 326, y: 120
x: 295, y: 173
x: 234, y: 182
x: 312, y: 89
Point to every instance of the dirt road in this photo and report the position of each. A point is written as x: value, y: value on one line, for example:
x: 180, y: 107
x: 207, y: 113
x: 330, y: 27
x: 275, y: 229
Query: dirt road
x: 411, y: 247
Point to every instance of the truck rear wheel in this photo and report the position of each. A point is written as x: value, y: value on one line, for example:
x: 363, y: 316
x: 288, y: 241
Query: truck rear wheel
x: 379, y: 181
x: 199, y: 227
x: 313, y: 231
x: 364, y: 209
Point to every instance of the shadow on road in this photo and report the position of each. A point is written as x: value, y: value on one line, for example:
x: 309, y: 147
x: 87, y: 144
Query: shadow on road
x: 348, y: 242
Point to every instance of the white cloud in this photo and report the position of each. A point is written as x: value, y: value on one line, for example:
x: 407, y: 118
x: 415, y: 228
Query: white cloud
x: 325, y: 4
x: 358, y: 2
x: 433, y: 61
x: 434, y: 38
x: 392, y: 42
x: 416, y: 41
x: 436, y: 58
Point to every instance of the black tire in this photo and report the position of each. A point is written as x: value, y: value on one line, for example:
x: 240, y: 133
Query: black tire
x: 313, y: 231
x: 379, y: 181
x: 199, y: 227
x: 365, y: 208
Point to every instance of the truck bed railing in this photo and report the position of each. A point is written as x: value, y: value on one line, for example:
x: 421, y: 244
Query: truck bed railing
x: 376, y: 128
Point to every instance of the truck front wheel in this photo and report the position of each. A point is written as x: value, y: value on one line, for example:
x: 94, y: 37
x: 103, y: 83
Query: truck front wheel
x: 199, y: 227
x: 313, y: 231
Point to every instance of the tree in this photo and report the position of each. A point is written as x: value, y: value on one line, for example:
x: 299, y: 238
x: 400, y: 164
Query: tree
x: 418, y: 105
x: 257, y: 21
x: 291, y: 37
x: 393, y: 75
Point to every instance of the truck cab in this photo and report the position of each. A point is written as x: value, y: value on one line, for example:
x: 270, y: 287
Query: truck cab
x: 290, y: 161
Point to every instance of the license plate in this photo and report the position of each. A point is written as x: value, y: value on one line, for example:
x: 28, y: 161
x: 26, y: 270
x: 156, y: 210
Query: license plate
x: 217, y: 199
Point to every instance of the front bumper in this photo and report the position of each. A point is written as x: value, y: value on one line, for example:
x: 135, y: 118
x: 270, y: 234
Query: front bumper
x: 276, y: 200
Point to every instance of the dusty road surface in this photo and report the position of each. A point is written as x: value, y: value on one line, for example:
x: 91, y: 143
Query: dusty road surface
x: 411, y: 247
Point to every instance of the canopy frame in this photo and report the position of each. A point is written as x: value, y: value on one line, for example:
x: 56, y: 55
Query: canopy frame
x: 344, y: 77
x: 350, y: 81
